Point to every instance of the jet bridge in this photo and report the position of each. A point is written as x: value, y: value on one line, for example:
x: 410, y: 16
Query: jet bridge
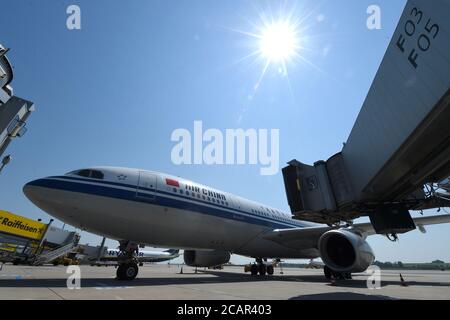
x: 14, y: 111
x: 398, y: 151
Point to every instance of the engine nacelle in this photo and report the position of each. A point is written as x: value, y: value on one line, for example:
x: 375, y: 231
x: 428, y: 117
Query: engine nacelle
x: 345, y: 251
x: 199, y: 258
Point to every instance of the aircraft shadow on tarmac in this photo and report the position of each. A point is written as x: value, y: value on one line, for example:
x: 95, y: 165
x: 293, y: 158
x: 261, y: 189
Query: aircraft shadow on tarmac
x: 341, y: 296
x: 192, y: 278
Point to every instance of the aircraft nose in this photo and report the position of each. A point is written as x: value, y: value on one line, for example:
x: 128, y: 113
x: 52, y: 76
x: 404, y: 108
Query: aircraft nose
x: 32, y: 190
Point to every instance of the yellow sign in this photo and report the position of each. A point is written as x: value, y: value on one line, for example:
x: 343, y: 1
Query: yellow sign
x: 20, y: 226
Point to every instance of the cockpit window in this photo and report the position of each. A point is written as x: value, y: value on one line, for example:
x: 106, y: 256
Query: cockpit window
x: 95, y: 174
x: 88, y: 173
x: 83, y: 173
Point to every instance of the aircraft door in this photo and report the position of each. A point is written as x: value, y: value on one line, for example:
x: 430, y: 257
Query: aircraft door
x: 146, y: 186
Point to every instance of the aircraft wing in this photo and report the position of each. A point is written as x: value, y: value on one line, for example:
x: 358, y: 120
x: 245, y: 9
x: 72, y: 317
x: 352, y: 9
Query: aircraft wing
x: 298, y: 238
x: 303, y: 238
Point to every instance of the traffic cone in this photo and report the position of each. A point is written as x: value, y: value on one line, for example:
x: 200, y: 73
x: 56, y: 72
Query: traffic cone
x: 402, y: 281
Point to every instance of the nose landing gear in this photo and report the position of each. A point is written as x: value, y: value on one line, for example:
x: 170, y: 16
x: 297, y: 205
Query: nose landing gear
x: 127, y: 271
x: 128, y: 264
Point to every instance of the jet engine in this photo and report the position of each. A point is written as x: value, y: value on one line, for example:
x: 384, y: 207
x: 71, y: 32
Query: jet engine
x: 199, y: 258
x: 345, y: 251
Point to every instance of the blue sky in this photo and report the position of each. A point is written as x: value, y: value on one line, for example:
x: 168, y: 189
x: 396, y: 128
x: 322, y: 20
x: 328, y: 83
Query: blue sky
x: 113, y: 92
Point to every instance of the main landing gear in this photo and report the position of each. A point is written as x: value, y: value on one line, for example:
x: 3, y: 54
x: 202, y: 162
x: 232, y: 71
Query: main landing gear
x: 128, y: 264
x: 262, y: 268
x: 331, y: 274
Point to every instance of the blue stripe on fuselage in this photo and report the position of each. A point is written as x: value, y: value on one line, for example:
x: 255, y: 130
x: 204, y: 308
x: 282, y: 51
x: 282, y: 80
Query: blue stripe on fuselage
x: 292, y: 223
x: 159, y: 198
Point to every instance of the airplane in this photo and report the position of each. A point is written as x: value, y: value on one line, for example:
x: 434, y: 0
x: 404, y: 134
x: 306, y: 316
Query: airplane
x: 314, y: 264
x: 112, y: 255
x: 138, y: 207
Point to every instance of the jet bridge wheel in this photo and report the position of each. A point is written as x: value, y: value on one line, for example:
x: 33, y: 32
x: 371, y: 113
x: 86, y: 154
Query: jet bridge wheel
x: 127, y: 271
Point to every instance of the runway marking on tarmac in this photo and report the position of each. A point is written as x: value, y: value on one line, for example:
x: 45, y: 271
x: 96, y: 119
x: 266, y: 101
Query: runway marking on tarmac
x: 15, y: 276
x: 103, y: 286
x: 433, y: 287
x: 56, y: 293
x: 214, y: 291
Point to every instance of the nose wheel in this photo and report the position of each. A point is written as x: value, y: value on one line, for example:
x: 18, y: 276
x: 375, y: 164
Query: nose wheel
x: 127, y: 271
x: 128, y: 264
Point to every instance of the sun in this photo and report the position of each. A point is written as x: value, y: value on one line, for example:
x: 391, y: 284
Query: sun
x: 278, y: 42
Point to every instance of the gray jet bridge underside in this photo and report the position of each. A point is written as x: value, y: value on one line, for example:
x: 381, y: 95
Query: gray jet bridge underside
x: 397, y: 157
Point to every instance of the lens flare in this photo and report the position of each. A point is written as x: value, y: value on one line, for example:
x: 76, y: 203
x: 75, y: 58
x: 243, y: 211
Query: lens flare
x: 278, y: 42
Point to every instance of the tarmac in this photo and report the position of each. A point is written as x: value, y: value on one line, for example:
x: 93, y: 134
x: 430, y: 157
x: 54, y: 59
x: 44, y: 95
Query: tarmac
x: 163, y: 282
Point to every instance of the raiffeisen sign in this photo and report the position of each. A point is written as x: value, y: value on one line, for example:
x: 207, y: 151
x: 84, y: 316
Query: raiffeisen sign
x: 21, y: 226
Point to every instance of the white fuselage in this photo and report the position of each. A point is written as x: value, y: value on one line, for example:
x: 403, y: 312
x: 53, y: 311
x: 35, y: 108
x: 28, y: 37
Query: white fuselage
x: 163, y: 211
